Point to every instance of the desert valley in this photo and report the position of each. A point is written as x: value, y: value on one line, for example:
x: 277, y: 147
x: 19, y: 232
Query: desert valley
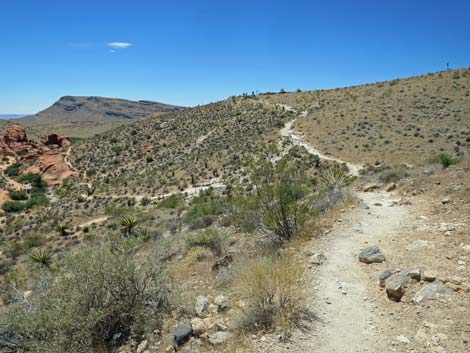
x: 307, y: 221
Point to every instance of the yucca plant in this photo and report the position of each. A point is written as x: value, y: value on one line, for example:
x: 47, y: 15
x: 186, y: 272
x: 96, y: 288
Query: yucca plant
x: 63, y: 229
x: 128, y: 224
x: 336, y: 177
x: 42, y: 256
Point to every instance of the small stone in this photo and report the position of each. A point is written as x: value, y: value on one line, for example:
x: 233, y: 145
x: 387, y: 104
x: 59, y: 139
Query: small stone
x: 372, y: 254
x: 218, y: 338
x: 445, y: 201
x: 431, y: 291
x: 222, y: 303
x: 390, y: 187
x: 386, y: 274
x: 402, y: 339
x: 395, y: 286
x: 429, y: 276
x: 201, y: 306
x: 182, y: 334
x: 318, y: 259
x: 370, y: 187
x: 199, y: 326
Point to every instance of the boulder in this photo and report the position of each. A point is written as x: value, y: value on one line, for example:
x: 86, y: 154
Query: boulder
x: 372, y: 254
x: 201, y: 306
x: 15, y: 134
x: 431, y: 291
x: 182, y: 334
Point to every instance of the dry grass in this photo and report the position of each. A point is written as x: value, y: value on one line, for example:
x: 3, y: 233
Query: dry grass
x: 273, y: 290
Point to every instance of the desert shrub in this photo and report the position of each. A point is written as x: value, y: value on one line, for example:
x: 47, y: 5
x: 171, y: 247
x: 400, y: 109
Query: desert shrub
x: 336, y: 176
x: 272, y: 287
x: 209, y: 238
x: 128, y: 224
x: 206, y: 204
x: 13, y: 170
x: 173, y: 202
x: 17, y: 206
x: 13, y: 206
x: 394, y: 174
x: 445, y: 160
x: 42, y: 257
x: 92, y: 297
x: 36, y: 181
x: 281, y: 200
x: 330, y: 198
x: 18, y: 195
x: 202, y: 222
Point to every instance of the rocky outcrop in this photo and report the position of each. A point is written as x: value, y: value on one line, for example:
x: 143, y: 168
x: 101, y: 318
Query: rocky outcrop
x: 45, y: 158
x: 14, y: 134
x: 54, y: 139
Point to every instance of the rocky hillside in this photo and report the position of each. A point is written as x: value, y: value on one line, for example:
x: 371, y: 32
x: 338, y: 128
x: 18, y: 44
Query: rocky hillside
x: 404, y: 120
x: 85, y: 116
x: 176, y: 150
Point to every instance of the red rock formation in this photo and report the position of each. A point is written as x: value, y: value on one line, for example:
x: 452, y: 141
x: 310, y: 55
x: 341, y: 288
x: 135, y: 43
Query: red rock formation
x: 15, y: 133
x: 55, y: 139
x: 150, y: 149
x: 49, y: 163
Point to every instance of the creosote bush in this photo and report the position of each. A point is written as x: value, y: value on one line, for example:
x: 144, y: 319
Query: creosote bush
x: 86, y: 301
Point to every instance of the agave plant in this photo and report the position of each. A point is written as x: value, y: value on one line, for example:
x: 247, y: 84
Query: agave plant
x: 336, y: 177
x: 42, y: 256
x: 128, y: 224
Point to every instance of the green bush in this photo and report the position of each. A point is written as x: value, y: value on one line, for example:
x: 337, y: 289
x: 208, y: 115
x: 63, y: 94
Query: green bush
x: 13, y: 170
x: 445, y: 160
x: 13, y: 206
x: 281, y: 199
x: 172, y: 201
x: 206, y: 204
x: 394, y: 174
x: 91, y: 298
x: 18, y: 195
x: 36, y: 181
x: 209, y: 238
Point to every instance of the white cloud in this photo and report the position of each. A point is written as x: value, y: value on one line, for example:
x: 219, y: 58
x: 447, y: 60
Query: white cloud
x: 119, y: 45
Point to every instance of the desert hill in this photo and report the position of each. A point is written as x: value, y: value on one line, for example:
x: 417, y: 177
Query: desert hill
x: 399, y: 121
x: 85, y: 116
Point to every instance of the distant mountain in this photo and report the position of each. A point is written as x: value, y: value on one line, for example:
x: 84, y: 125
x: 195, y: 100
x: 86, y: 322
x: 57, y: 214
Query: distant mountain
x: 94, y: 109
x: 12, y: 116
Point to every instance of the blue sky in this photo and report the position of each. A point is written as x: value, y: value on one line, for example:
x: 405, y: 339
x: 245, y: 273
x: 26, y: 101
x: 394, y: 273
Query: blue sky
x: 195, y: 52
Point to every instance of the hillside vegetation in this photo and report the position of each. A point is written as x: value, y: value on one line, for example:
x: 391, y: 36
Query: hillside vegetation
x: 400, y: 121
x: 176, y: 150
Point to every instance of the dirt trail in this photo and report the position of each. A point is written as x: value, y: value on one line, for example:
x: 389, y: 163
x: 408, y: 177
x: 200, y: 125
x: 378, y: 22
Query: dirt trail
x: 337, y: 290
x: 339, y: 296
